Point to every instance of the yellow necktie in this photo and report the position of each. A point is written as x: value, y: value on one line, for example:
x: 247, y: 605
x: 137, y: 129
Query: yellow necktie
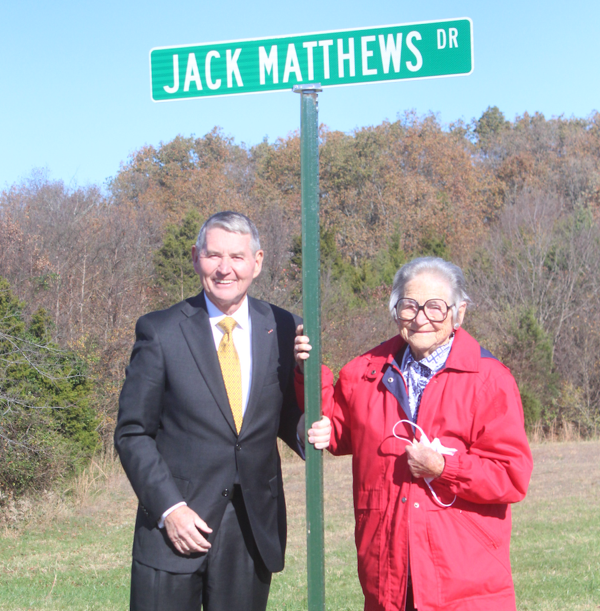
x: 230, y: 368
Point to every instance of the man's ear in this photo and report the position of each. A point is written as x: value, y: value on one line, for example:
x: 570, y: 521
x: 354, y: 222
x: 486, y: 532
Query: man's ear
x: 196, y: 259
x: 258, y: 261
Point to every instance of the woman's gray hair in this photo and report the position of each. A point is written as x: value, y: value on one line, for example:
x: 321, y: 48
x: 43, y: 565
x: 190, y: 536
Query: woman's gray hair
x: 435, y: 266
x: 235, y: 222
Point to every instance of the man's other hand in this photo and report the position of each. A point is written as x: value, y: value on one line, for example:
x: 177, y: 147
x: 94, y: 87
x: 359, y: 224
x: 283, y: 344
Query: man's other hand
x: 184, y: 527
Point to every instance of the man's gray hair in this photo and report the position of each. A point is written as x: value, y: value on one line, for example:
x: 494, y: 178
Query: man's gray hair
x: 235, y: 222
x: 435, y: 266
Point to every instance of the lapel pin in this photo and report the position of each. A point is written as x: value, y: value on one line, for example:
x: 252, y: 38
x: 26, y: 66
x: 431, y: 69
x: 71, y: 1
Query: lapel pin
x: 269, y: 331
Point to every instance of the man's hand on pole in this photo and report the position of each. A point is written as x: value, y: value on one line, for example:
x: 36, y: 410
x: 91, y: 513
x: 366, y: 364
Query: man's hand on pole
x: 302, y: 347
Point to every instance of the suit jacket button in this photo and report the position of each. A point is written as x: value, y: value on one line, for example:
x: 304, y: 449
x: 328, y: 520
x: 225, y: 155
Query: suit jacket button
x: 225, y: 492
x: 404, y: 499
x: 238, y: 447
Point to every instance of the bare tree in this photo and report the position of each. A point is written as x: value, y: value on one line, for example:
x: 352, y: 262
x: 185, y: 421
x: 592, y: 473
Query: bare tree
x: 544, y: 257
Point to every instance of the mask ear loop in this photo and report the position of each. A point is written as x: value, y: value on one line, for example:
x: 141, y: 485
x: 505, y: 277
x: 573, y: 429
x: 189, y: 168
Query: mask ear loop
x: 414, y: 425
x: 426, y: 441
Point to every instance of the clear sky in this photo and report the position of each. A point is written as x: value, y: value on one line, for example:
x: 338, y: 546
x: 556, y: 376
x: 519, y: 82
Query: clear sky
x: 76, y: 88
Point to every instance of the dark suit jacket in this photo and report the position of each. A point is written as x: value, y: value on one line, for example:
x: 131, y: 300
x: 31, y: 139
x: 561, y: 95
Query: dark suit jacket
x: 176, y: 437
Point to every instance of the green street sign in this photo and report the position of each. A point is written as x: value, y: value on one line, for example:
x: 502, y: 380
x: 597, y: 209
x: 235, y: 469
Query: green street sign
x: 344, y: 57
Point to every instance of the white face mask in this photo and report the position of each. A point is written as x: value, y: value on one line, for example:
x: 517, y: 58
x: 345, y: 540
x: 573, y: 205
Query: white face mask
x: 436, y: 446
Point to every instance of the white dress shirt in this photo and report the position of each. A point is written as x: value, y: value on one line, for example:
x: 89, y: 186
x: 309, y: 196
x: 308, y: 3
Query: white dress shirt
x: 242, y: 340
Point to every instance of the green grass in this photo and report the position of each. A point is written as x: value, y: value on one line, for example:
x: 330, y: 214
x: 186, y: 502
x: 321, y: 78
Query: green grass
x: 78, y: 558
x: 81, y: 563
x: 556, y: 531
x: 556, y: 555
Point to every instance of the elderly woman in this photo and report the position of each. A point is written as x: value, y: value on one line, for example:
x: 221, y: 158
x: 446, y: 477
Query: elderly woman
x: 434, y: 424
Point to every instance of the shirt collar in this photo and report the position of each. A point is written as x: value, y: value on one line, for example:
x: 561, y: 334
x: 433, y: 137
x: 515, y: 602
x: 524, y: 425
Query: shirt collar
x: 241, y: 315
x: 435, y: 361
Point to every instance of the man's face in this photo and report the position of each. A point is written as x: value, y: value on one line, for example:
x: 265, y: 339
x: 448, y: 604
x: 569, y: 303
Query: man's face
x: 226, y: 267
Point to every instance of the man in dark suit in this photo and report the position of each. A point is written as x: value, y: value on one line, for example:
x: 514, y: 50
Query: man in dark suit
x: 208, y: 390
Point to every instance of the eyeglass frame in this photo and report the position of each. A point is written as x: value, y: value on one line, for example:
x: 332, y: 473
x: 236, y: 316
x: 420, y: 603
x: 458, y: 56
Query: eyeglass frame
x: 422, y: 308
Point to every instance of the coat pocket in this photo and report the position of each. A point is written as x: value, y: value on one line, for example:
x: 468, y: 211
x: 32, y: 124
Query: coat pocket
x: 469, y: 560
x: 369, y: 514
x: 274, y: 486
x: 369, y: 499
x: 471, y: 522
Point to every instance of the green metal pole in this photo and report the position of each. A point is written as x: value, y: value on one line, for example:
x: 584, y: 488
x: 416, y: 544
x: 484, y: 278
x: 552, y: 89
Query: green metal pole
x: 311, y: 292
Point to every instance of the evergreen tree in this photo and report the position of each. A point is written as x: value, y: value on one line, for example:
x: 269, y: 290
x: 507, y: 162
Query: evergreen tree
x: 47, y: 428
x: 173, y: 265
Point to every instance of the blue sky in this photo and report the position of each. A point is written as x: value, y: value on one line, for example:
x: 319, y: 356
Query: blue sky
x: 76, y: 87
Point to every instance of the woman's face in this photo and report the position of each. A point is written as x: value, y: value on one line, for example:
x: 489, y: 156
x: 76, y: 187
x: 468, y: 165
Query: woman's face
x: 425, y: 337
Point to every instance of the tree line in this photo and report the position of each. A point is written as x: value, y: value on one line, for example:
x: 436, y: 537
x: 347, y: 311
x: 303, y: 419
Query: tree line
x: 515, y: 203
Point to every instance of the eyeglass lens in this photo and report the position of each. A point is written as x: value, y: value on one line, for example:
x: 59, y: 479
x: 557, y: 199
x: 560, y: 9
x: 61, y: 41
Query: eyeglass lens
x: 435, y: 310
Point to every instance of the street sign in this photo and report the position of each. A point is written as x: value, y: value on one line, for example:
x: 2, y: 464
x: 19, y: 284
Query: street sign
x: 343, y: 57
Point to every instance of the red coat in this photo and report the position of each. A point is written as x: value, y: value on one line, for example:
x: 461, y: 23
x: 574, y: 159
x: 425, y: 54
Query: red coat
x: 459, y: 556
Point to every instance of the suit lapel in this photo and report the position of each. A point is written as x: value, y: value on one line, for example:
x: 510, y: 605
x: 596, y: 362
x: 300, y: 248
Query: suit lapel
x: 264, y: 336
x: 199, y: 337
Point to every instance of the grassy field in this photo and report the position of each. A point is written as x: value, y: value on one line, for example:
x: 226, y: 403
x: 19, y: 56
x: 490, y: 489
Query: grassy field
x: 75, y: 554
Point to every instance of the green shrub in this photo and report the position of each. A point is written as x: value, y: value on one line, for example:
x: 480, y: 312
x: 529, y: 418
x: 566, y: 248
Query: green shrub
x: 532, y: 407
x: 47, y: 427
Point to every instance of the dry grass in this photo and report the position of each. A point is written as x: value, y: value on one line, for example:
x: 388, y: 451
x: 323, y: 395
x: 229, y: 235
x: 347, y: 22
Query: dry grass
x: 558, y: 432
x: 83, y: 491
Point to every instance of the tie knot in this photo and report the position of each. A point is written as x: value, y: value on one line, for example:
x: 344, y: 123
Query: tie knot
x: 227, y: 324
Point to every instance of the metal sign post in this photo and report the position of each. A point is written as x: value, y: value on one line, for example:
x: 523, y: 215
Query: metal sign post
x: 311, y: 297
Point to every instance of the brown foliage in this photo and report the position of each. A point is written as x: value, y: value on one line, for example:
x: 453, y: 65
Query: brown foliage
x: 558, y: 155
x: 518, y: 188
x: 203, y: 174
x: 409, y: 177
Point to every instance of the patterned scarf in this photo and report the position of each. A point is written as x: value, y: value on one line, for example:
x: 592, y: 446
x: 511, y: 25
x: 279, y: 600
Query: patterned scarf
x: 418, y: 373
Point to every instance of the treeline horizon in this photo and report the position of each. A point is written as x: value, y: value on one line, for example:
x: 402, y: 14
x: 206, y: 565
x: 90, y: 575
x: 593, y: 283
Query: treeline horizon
x: 515, y: 203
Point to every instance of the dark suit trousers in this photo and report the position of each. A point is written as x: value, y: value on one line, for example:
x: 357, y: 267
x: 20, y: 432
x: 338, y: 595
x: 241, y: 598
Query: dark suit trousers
x: 233, y: 577
x: 410, y: 605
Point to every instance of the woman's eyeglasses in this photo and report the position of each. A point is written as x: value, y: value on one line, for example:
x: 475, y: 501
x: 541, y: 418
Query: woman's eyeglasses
x: 435, y: 310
